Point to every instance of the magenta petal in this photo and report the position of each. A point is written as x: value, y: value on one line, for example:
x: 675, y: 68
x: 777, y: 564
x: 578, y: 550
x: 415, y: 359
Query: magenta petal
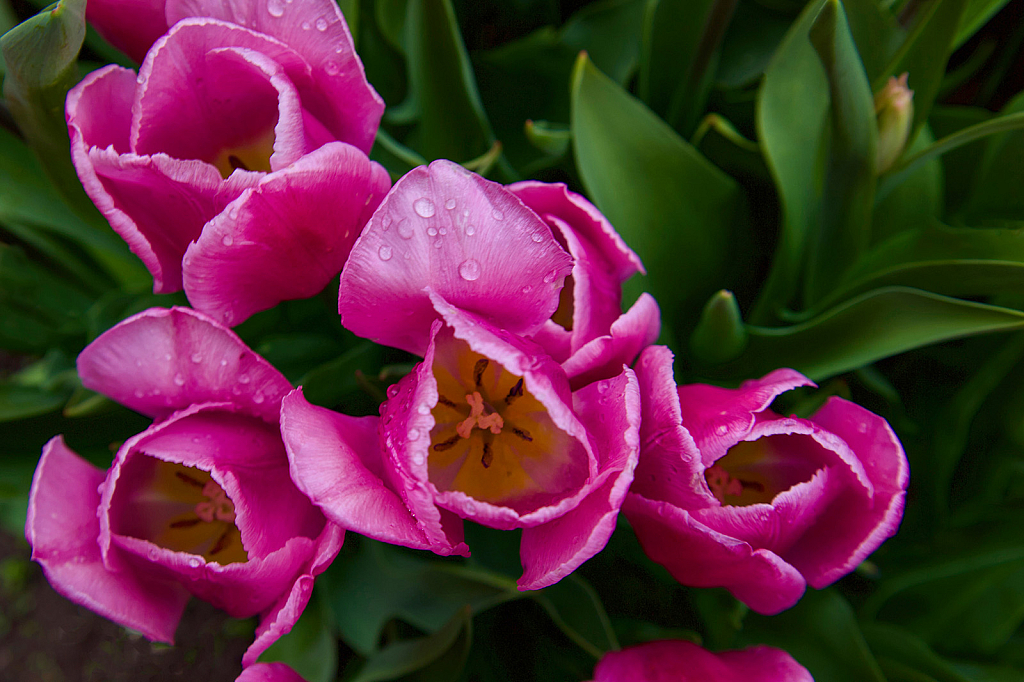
x: 765, y: 664
x: 269, y: 672
x: 679, y: 661
x: 604, y: 356
x: 672, y: 537
x: 282, y: 616
x: 719, y: 417
x: 63, y: 530
x: 336, y: 461
x: 610, y: 410
x: 99, y: 109
x: 131, y: 26
x: 164, y: 360
x: 487, y: 254
x: 287, y: 237
x: 339, y: 95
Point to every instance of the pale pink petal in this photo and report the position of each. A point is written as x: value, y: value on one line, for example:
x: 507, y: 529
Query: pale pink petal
x: 720, y: 417
x: 287, y: 237
x: 131, y: 26
x: 164, y: 360
x: 682, y: 661
x: 269, y: 672
x: 63, y: 530
x: 604, y: 356
x: 282, y: 616
x: 610, y: 410
x: 469, y: 240
x: 338, y: 93
x: 336, y: 461
x: 671, y: 537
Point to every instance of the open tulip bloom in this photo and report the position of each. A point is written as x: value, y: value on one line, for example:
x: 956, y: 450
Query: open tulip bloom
x: 235, y: 164
x: 198, y: 504
x: 682, y: 661
x: 730, y: 494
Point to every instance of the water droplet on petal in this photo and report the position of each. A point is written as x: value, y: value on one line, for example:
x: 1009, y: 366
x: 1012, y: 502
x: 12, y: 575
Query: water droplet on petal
x: 275, y: 7
x: 152, y: 553
x: 404, y: 229
x: 197, y: 358
x: 469, y: 270
x: 179, y: 380
x: 442, y: 230
x: 233, y: 212
x: 384, y: 252
x: 723, y: 429
x: 258, y: 398
x: 227, y: 240
x: 385, y: 222
x: 305, y: 26
x: 527, y: 289
x: 244, y: 379
x: 537, y: 237
x: 470, y: 230
x: 413, y: 434
x: 550, y: 277
x: 497, y: 215
x: 223, y: 363
x: 138, y: 363
x: 417, y: 459
x: 195, y: 562
x: 437, y: 244
x: 602, y: 387
x: 321, y: 24
x: 392, y: 390
x: 432, y: 231
x: 332, y: 68
x: 139, y: 393
x: 424, y: 207
x: 450, y: 204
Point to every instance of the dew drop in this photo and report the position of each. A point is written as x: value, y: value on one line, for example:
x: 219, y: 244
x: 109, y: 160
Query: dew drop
x: 244, y: 379
x: 550, y: 277
x: 497, y: 215
x: 404, y: 229
x: 537, y: 237
x: 723, y: 429
x: 417, y: 459
x: 424, y: 207
x: 413, y: 434
x: 332, y: 68
x: 138, y: 363
x: 236, y: 390
x: 152, y: 553
x: 305, y: 26
x: 470, y: 230
x: 442, y: 230
x: 450, y: 204
x: 469, y: 270
x: 437, y: 244
x: 258, y: 398
x: 385, y: 222
x: 179, y: 380
x: 167, y: 357
x: 527, y: 289
x: 470, y: 508
x: 223, y: 363
x: 392, y: 390
x: 197, y: 358
x: 602, y: 387
x: 139, y: 393
x: 432, y: 231
x: 195, y: 562
x: 407, y: 255
x: 275, y: 7
x: 227, y: 240
x: 384, y: 252
x: 321, y: 24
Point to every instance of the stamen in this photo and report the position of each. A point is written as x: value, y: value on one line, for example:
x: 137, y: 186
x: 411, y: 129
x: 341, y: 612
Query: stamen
x: 236, y: 162
x: 492, y: 421
x: 185, y: 523
x: 522, y: 433
x: 222, y: 541
x: 446, y: 402
x: 217, y: 505
x: 721, y: 483
x: 488, y: 456
x: 448, y: 444
x: 182, y: 476
x: 515, y: 392
x: 478, y: 371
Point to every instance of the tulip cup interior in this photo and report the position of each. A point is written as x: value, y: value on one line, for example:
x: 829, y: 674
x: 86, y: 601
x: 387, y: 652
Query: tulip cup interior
x: 754, y: 472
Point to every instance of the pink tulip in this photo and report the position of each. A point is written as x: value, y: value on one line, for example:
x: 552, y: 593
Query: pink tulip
x: 588, y: 333
x: 681, y: 661
x: 730, y: 494
x: 486, y: 428
x: 269, y: 672
x: 235, y: 164
x: 199, y: 503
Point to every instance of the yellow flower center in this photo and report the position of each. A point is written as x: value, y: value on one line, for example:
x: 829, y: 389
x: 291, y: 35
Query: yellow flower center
x: 754, y: 472
x: 253, y: 156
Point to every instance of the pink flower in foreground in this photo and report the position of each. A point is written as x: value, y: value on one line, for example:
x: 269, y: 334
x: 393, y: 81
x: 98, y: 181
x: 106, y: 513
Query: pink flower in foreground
x: 199, y: 503
x: 486, y: 429
x: 730, y: 494
x: 588, y: 333
x: 681, y: 661
x: 269, y: 672
x: 235, y: 164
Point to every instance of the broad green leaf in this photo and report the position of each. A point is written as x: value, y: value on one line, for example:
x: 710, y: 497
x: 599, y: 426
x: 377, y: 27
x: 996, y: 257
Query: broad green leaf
x: 749, y: 43
x: 42, y: 387
x: 452, y: 123
x: 977, y: 13
x: 844, y: 230
x: 979, y: 672
x: 924, y: 55
x: 821, y: 633
x: 995, y: 192
x: 379, y: 582
x: 897, y: 649
x: 390, y: 15
x: 875, y: 325
x: 792, y: 113
x: 577, y: 611
x: 335, y: 383
x: 680, y: 213
x: 549, y: 138
x: 728, y: 149
x: 876, y: 32
x: 916, y: 197
x: 310, y: 648
x: 959, y: 165
x: 439, y: 656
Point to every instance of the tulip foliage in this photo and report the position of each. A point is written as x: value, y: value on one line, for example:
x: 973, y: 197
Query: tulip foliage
x: 541, y: 340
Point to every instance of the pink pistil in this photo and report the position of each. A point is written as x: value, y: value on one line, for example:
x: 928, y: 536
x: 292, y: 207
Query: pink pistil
x: 477, y: 418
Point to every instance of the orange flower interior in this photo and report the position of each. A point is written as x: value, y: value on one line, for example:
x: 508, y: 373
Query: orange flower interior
x: 492, y: 439
x: 754, y: 472
x: 253, y: 156
x: 180, y: 508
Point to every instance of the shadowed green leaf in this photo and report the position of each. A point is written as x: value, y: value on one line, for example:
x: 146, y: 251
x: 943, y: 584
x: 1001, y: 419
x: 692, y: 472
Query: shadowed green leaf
x: 310, y: 648
x: 439, y: 656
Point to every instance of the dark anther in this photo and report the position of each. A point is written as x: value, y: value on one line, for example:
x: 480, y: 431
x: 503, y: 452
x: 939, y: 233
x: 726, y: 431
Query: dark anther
x: 514, y: 392
x: 522, y: 433
x: 445, y: 401
x: 185, y: 523
x: 188, y: 479
x: 236, y: 162
x: 222, y: 541
x: 448, y: 444
x: 478, y: 371
x: 488, y: 455
x: 754, y: 485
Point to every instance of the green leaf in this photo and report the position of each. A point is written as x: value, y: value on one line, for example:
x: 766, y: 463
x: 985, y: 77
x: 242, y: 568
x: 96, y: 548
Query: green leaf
x: 577, y: 611
x: 994, y: 192
x: 42, y: 387
x: 876, y: 32
x: 550, y: 138
x: 452, y: 123
x: 680, y: 213
x: 440, y: 656
x: 875, y: 325
x: 792, y: 110
x: 378, y: 582
x: 335, y: 383
x: 822, y: 634
x: 977, y: 13
x: 844, y: 231
x: 896, y: 648
x: 916, y: 198
x: 310, y: 648
x: 749, y: 43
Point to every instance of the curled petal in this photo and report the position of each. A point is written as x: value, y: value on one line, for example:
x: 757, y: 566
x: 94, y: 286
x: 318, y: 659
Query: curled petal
x: 603, y: 356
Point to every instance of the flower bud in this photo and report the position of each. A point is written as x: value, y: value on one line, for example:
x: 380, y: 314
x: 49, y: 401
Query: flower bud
x: 894, y: 108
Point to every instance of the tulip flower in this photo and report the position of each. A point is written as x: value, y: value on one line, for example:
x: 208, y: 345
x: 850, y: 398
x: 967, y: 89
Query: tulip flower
x: 682, y: 661
x: 730, y: 494
x: 234, y: 164
x: 487, y: 429
x: 269, y: 672
x: 198, y: 504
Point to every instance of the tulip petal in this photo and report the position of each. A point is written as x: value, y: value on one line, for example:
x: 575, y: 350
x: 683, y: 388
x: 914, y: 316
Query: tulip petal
x: 63, y: 530
x: 339, y: 95
x: 601, y: 357
x: 336, y: 461
x: 666, y: 660
x: 131, y: 26
x: 610, y: 410
x: 164, y: 360
x: 487, y: 254
x: 672, y: 537
x: 765, y: 664
x: 269, y: 672
x: 287, y: 237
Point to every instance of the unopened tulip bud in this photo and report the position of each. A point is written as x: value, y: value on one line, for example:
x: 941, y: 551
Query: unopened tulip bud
x: 894, y: 108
